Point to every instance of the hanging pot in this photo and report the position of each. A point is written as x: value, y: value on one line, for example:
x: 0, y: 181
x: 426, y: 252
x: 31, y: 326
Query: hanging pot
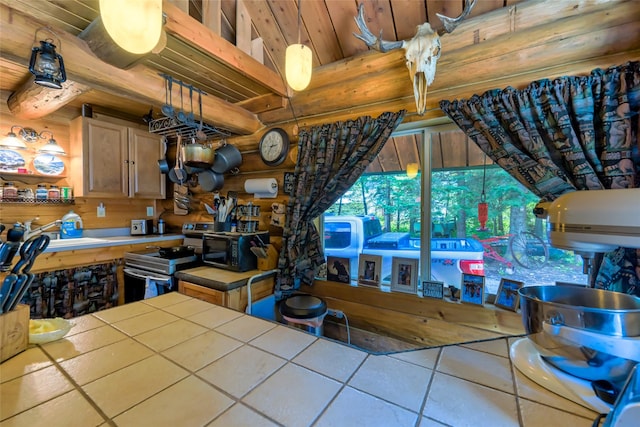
x: 227, y: 157
x: 197, y: 155
x: 210, y: 180
x: 163, y: 164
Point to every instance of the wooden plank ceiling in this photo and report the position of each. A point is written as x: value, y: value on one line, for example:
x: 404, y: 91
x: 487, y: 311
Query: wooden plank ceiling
x: 327, y: 27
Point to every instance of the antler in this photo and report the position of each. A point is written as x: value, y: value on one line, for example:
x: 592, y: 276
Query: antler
x: 450, y: 24
x: 371, y: 40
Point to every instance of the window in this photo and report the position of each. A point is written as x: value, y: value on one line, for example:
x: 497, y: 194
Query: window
x: 383, y: 214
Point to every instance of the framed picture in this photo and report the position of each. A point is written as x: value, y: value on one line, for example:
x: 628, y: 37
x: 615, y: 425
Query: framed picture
x: 507, y: 296
x: 369, y: 268
x: 338, y: 269
x: 404, y: 275
x: 433, y: 289
x: 472, y: 291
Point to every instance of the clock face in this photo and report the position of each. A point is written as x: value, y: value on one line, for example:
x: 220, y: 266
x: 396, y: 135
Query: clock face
x: 274, y: 146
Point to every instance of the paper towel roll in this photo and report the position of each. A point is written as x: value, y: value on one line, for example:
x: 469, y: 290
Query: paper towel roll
x: 263, y: 188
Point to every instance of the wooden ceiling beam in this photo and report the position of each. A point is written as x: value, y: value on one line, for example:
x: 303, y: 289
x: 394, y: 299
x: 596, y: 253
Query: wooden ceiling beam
x: 555, y: 47
x: 183, y: 27
x: 140, y: 84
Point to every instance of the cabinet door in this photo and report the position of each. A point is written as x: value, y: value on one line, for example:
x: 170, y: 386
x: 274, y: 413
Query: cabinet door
x: 99, y: 165
x: 145, y: 179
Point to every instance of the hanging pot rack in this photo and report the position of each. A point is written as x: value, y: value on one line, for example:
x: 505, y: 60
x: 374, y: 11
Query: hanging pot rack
x: 171, y: 126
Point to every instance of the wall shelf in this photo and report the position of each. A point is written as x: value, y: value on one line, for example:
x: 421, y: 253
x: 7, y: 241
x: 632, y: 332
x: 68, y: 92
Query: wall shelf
x: 39, y: 202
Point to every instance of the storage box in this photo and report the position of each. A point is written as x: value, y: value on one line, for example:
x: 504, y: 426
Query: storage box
x: 270, y: 261
x: 14, y: 332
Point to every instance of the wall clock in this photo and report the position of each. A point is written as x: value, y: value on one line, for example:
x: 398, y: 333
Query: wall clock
x: 274, y: 146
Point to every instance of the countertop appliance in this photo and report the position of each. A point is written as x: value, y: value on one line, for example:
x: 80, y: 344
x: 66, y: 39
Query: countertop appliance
x: 140, y: 227
x: 147, y: 273
x: 232, y: 251
x: 582, y: 343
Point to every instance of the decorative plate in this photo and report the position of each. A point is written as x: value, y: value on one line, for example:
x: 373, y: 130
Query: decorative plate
x: 48, y: 164
x: 10, y: 161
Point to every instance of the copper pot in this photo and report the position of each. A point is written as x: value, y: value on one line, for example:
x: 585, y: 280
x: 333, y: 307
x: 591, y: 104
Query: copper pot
x: 197, y: 155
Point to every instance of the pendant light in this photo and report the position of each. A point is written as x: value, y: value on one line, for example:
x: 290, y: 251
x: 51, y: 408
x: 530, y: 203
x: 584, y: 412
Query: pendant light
x: 135, y: 25
x: 298, y: 61
x: 47, y: 65
x: 412, y: 170
x: 51, y: 147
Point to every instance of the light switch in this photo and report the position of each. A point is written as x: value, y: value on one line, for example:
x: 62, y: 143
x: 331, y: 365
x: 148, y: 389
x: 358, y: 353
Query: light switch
x: 149, y: 210
x: 102, y: 211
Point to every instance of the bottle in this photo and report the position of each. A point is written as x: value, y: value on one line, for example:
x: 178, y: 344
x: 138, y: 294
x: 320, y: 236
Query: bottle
x: 161, y: 226
x: 71, y: 226
x: 41, y: 192
x: 54, y: 193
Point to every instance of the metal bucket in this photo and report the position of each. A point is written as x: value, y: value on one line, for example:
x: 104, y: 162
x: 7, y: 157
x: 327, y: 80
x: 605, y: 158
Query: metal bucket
x: 602, y: 314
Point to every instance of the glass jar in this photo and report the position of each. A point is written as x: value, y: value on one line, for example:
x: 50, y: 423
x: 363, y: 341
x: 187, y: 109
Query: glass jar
x: 10, y: 191
x: 53, y: 193
x: 41, y: 192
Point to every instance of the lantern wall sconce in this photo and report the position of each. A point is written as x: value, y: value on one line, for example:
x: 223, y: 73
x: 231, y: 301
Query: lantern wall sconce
x: 45, y: 64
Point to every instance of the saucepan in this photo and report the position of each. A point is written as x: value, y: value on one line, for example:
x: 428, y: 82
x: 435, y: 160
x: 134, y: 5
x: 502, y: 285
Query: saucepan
x: 197, y: 155
x: 589, y: 333
x: 227, y: 158
x: 210, y: 180
x: 163, y: 164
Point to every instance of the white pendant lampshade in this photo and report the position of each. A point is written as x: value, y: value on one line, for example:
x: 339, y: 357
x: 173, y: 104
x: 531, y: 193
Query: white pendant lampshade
x: 412, y: 170
x: 298, y: 66
x: 135, y: 25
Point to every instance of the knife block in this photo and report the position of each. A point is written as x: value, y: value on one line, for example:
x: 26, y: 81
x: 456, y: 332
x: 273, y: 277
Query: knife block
x: 14, y: 331
x: 270, y: 261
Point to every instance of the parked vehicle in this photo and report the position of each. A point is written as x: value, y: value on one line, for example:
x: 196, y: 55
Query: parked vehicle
x: 350, y: 236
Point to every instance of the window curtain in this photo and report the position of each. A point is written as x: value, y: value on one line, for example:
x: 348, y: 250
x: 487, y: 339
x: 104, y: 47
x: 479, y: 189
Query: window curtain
x: 572, y: 133
x: 331, y: 157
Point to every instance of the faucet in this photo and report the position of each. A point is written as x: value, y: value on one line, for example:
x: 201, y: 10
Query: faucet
x: 28, y: 232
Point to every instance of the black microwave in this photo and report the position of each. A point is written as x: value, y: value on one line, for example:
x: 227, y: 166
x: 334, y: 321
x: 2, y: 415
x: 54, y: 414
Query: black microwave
x: 232, y: 251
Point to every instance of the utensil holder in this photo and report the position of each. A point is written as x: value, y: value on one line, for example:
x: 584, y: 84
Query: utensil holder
x: 220, y: 227
x: 14, y: 332
x: 271, y: 261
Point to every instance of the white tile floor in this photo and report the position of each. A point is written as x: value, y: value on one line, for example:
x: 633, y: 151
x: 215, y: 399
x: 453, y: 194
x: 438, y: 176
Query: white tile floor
x: 176, y: 361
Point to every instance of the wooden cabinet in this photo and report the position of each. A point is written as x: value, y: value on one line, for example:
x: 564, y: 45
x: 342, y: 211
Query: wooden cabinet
x: 115, y: 159
x: 235, y: 299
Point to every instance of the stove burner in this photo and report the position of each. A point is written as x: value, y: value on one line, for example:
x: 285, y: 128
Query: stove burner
x: 152, y: 260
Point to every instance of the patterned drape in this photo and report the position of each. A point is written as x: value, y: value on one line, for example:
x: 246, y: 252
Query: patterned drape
x: 572, y: 133
x: 331, y: 158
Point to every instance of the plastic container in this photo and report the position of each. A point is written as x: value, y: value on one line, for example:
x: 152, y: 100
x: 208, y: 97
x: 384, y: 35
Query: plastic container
x: 10, y: 191
x: 54, y: 193
x: 41, y: 192
x: 71, y: 227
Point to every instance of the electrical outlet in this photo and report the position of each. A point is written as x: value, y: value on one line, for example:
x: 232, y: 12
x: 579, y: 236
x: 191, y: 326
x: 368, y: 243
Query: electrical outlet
x: 335, y: 313
x: 149, y: 210
x: 102, y: 211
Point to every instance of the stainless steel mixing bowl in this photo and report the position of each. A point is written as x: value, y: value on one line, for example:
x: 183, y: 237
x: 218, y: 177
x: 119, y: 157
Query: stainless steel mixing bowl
x: 604, y: 312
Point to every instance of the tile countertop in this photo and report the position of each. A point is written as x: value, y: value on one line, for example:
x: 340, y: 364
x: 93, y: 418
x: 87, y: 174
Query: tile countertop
x: 61, y: 245
x: 178, y: 361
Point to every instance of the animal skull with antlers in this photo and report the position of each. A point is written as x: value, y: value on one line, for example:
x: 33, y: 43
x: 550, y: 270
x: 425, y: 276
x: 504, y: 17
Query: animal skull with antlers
x: 421, y: 52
